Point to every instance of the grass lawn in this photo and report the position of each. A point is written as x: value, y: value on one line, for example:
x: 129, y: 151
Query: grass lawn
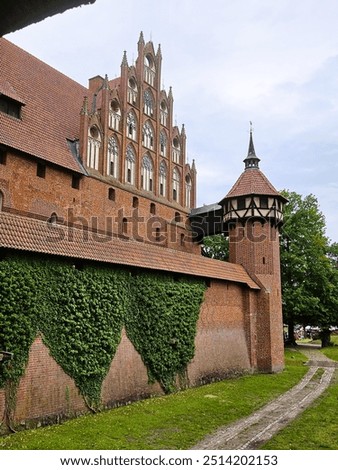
x: 177, y: 421
x: 317, y: 427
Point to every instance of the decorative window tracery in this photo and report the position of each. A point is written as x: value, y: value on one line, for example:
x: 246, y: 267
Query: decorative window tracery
x: 94, y: 144
x: 188, y: 186
x: 130, y: 165
x: 149, y: 69
x: 147, y: 173
x: 163, y: 179
x: 131, y: 125
x: 114, y: 116
x: 148, y: 136
x: 113, y: 157
x: 176, y: 185
x: 163, y: 144
x: 176, y: 150
x: 148, y: 103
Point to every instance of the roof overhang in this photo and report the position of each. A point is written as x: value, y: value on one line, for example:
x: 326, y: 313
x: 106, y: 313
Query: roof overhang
x: 16, y: 14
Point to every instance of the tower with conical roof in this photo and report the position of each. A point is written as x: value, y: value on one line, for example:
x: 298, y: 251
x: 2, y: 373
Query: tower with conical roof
x: 252, y: 215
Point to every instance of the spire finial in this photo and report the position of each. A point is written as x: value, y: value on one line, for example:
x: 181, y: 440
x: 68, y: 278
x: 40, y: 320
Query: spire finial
x: 251, y: 161
x: 124, y: 60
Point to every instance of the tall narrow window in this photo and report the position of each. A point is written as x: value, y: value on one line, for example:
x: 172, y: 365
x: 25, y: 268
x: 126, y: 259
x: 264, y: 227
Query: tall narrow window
x: 163, y: 144
x: 3, y: 157
x: 176, y: 185
x: 148, y: 103
x: 131, y: 126
x: 115, y: 115
x: 1, y: 201
x: 41, y: 170
x: 176, y: 150
x: 163, y: 179
x: 152, y: 208
x: 149, y: 69
x: 132, y: 91
x: 111, y: 194
x: 124, y: 226
x: 163, y: 113
x: 148, y: 136
x: 147, y: 173
x: 94, y: 143
x: 188, y: 186
x: 130, y: 165
x: 113, y: 158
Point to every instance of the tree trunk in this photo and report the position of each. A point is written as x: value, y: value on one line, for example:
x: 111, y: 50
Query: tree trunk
x: 325, y: 336
x: 291, y: 333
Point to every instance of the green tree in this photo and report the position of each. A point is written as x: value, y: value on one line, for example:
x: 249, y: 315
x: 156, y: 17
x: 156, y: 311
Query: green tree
x: 216, y: 246
x: 309, y: 278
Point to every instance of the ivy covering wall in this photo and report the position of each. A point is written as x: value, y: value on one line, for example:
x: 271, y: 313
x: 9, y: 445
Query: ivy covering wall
x: 80, y: 314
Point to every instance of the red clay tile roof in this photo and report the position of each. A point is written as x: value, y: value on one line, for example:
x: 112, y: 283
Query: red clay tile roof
x: 252, y: 181
x: 23, y: 233
x: 52, y: 107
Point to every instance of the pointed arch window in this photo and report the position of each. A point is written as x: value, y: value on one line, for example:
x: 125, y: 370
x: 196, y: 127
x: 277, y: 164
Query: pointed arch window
x: 163, y: 113
x: 188, y: 186
x: 114, y: 115
x: 131, y: 125
x: 148, y: 136
x: 147, y: 175
x: 113, y: 158
x: 176, y: 185
x: 149, y: 69
x: 176, y: 150
x: 130, y: 165
x: 163, y: 144
x: 94, y: 144
x: 132, y: 91
x: 148, y: 106
x: 163, y: 179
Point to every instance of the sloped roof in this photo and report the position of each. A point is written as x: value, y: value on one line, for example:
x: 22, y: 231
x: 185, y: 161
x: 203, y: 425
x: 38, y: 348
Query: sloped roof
x: 16, y: 14
x: 28, y: 234
x: 51, y: 114
x: 252, y: 181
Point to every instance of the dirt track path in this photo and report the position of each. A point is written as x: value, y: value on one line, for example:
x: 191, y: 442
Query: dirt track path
x: 253, y: 431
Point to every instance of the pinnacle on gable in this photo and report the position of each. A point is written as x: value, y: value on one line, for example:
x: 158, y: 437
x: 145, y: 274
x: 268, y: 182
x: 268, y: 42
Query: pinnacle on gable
x: 124, y: 62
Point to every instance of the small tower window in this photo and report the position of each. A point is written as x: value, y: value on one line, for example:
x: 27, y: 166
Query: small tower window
x: 158, y: 234
x: 264, y: 202
x: 152, y: 208
x: 76, y: 181
x: 135, y: 202
x: 177, y: 217
x: 3, y: 156
x: 41, y: 170
x: 111, y: 194
x: 1, y: 200
x: 124, y: 226
x: 241, y: 203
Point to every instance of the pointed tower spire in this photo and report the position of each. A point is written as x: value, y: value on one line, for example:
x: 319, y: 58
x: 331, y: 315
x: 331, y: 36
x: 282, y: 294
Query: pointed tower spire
x: 251, y: 161
x: 105, y: 85
x: 84, y: 109
x: 124, y: 60
x: 159, y: 52
x: 141, y: 39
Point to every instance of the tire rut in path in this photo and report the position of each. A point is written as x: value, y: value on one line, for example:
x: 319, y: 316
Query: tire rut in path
x: 253, y: 431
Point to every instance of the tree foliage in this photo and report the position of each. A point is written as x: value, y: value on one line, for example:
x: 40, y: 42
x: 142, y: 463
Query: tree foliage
x: 216, y: 246
x: 309, y: 277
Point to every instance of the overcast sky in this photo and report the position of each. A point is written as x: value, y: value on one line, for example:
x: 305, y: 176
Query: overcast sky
x: 272, y: 62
